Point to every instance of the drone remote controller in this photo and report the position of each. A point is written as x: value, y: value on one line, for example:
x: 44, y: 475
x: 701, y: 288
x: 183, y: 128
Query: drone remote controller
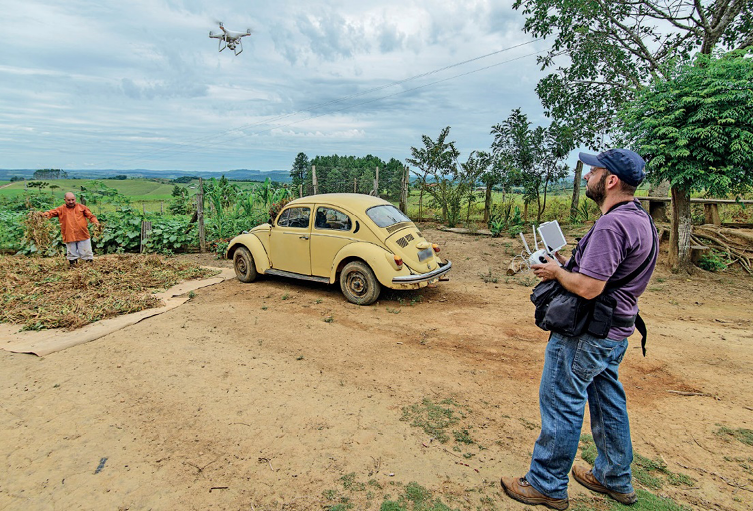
x: 552, y: 241
x: 539, y: 257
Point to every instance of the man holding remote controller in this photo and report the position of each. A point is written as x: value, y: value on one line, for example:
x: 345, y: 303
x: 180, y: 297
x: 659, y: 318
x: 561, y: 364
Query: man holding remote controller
x: 622, y: 243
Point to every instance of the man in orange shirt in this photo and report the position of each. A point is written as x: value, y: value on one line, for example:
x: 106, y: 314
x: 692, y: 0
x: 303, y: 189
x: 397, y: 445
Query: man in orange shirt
x: 73, y: 225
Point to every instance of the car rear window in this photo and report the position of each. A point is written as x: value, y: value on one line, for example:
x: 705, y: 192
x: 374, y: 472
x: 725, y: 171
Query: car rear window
x: 386, y: 215
x: 328, y: 218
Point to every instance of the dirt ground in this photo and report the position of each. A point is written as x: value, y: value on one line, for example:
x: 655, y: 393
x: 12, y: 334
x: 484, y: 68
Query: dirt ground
x: 282, y: 395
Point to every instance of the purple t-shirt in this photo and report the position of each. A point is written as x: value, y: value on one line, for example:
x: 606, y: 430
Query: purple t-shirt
x: 616, y: 246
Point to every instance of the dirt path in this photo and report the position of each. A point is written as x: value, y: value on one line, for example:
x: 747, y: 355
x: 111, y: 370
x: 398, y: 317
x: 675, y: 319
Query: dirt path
x: 281, y: 395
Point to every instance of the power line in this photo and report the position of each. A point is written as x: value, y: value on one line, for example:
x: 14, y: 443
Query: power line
x: 193, y: 143
x: 198, y: 149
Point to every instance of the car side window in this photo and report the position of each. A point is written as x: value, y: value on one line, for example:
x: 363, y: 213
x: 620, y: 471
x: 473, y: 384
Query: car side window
x: 332, y: 219
x: 294, y: 217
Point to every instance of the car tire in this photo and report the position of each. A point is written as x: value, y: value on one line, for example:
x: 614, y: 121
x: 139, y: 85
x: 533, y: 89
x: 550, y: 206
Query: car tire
x: 358, y: 283
x: 244, y: 265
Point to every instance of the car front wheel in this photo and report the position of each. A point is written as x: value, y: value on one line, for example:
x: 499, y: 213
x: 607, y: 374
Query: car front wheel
x: 358, y: 283
x: 244, y: 265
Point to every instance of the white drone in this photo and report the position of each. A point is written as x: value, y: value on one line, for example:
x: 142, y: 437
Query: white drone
x: 228, y: 39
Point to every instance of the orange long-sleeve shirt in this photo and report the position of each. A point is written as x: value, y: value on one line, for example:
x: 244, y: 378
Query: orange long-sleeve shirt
x: 73, y: 221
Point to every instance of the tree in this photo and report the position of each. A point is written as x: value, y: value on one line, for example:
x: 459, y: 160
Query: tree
x: 497, y: 173
x: 438, y: 170
x: 473, y: 170
x: 37, y: 184
x: 534, y: 154
x: 300, y: 169
x: 696, y: 131
x: 50, y: 174
x: 613, y: 48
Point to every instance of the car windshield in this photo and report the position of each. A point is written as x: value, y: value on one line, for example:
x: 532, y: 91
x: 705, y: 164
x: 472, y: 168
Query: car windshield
x: 386, y: 215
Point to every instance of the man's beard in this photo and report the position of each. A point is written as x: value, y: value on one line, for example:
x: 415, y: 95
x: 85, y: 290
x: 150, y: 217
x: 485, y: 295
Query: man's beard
x: 599, y: 192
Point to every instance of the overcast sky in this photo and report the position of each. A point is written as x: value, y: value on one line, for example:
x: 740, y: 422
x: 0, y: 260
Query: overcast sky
x: 139, y: 84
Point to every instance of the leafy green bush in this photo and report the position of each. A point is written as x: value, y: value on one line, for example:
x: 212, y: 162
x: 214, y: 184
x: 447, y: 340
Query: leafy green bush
x: 505, y: 216
x: 122, y: 233
x: 11, y: 230
x: 168, y: 236
x: 713, y: 261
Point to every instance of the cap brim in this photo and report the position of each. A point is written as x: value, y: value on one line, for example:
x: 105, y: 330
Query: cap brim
x: 590, y: 159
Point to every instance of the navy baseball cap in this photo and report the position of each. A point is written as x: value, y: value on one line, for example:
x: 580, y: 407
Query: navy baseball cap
x: 623, y: 163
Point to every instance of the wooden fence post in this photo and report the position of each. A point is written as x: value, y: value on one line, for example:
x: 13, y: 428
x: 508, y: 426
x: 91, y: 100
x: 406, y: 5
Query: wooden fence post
x: 313, y: 179
x: 200, y: 217
x: 300, y: 190
x: 575, y: 203
x: 376, y: 183
x: 404, y: 192
x: 711, y: 214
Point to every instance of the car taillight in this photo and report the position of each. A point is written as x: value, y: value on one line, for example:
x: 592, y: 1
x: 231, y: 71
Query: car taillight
x: 435, y: 247
x: 398, y: 260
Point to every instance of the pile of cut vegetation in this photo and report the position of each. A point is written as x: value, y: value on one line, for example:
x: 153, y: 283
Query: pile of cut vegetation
x: 41, y: 293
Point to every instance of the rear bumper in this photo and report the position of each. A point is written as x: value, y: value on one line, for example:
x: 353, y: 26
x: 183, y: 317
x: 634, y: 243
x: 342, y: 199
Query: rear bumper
x: 424, y: 277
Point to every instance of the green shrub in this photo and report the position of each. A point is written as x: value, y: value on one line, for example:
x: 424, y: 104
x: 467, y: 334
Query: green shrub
x: 713, y: 261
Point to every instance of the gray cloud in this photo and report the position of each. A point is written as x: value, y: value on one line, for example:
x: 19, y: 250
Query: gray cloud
x: 141, y: 84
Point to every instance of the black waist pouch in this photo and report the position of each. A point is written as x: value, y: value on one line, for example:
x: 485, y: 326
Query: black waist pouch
x: 558, y: 310
x: 601, y: 316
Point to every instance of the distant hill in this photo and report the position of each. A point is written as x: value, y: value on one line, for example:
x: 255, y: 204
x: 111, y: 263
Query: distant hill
x: 281, y: 176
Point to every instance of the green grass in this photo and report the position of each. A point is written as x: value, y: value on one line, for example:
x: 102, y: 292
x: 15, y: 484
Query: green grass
x: 648, y: 473
x: 433, y: 418
x: 647, y: 501
x: 740, y: 434
x: 416, y: 498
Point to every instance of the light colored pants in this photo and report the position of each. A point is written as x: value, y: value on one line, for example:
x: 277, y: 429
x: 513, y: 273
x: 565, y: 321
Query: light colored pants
x: 79, y: 250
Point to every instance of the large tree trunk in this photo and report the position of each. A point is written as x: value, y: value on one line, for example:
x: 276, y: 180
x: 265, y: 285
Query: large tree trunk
x: 487, y: 203
x: 679, y: 239
x: 576, y: 191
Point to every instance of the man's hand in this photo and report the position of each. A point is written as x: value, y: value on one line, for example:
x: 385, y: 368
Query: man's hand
x: 581, y: 285
x: 548, y: 270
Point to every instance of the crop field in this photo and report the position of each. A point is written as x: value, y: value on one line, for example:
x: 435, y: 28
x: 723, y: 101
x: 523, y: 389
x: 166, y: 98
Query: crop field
x: 147, y: 195
x: 142, y: 189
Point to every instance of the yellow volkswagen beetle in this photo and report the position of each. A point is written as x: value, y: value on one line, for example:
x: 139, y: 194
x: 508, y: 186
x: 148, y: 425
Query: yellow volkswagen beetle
x: 364, y: 242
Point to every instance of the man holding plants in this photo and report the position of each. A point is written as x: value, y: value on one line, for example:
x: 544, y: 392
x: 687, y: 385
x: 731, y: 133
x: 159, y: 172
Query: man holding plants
x: 73, y: 225
x: 621, y: 249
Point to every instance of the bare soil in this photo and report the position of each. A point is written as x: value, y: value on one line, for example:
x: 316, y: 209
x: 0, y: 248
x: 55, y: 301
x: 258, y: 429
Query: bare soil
x: 282, y: 395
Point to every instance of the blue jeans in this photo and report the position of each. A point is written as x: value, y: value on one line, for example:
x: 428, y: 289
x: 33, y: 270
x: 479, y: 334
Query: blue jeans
x: 577, y: 369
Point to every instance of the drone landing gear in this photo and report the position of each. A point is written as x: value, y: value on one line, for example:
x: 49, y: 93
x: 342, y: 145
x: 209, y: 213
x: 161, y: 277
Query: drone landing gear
x: 232, y: 45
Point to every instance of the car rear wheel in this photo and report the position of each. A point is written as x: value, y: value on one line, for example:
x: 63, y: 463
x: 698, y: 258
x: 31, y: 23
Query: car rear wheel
x: 358, y: 283
x: 244, y: 265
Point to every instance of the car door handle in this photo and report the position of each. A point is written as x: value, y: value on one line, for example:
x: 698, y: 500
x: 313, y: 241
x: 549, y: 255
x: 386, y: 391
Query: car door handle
x: 304, y: 237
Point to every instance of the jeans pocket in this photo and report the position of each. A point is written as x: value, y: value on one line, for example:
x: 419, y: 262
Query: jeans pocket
x: 591, y: 357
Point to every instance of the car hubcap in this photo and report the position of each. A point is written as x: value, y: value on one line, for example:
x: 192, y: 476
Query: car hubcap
x: 240, y: 265
x: 357, y: 283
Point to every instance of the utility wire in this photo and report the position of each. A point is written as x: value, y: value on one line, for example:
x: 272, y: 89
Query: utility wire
x: 194, y: 142
x: 195, y: 149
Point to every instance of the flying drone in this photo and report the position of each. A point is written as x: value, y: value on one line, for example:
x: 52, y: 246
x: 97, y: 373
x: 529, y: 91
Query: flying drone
x: 228, y: 39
